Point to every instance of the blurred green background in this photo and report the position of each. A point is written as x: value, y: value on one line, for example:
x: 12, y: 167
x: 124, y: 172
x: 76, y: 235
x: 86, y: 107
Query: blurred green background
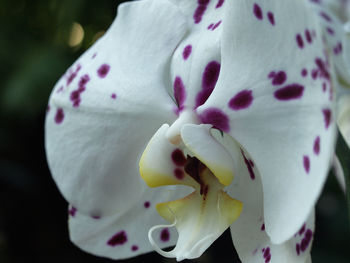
x: 39, y: 40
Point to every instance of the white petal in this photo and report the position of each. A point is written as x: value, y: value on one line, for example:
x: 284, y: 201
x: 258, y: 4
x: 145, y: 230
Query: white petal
x: 124, y: 235
x: 248, y: 232
x: 108, y: 105
x: 273, y: 107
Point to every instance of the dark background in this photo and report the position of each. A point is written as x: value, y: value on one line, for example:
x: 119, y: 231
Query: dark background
x: 34, y: 53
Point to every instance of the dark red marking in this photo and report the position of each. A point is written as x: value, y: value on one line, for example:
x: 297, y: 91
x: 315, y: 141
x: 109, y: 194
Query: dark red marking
x: 257, y: 11
x: 216, y: 118
x: 179, y: 93
x: 271, y: 18
x: 59, y: 117
x: 317, y: 145
x: 165, y: 235
x: 103, y: 70
x: 306, y: 163
x: 300, y: 41
x: 200, y: 10
x: 289, y: 92
x: 147, y: 204
x: 327, y: 114
x: 241, y: 100
x: 179, y: 173
x: 178, y: 157
x: 134, y: 248
x: 279, y: 78
x: 72, y: 211
x: 118, y: 239
x: 220, y: 3
x: 249, y: 166
x: 187, y: 52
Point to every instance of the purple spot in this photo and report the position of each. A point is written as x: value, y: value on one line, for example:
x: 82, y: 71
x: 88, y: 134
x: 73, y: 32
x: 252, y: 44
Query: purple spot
x: 300, y: 41
x: 302, y: 230
x: 114, y: 96
x: 210, y: 26
x: 72, y: 211
x: 118, y: 239
x: 96, y: 217
x: 262, y: 227
x: 209, y: 79
x: 178, y: 157
x: 330, y: 31
x: 306, y: 240
x: 279, y: 78
x: 267, y: 254
x: 249, y: 166
x: 327, y: 114
x: 271, y: 18
x: 60, y: 89
x: 179, y: 173
x: 338, y: 48
x: 289, y: 92
x: 304, y: 72
x: 241, y: 100
x: 216, y: 118
x: 317, y: 145
x: 306, y: 163
x: 324, y: 87
x: 179, y: 93
x: 187, y: 52
x: 147, y: 204
x: 59, y: 116
x: 134, y: 248
x: 314, y: 74
x: 322, y: 68
x: 257, y: 11
x: 83, y: 81
x: 73, y: 74
x: 297, y: 248
x: 165, y: 235
x: 308, y: 36
x: 103, y: 70
x: 220, y: 3
x: 271, y: 75
x: 75, y: 95
x: 325, y: 16
x: 200, y: 10
x: 94, y: 55
x: 216, y: 25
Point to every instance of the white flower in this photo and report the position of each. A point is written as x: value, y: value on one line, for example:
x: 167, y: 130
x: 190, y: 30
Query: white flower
x: 232, y: 98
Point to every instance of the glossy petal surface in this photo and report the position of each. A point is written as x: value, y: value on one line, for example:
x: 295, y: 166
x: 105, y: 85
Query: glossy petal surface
x: 117, y: 236
x: 109, y: 104
x: 275, y: 111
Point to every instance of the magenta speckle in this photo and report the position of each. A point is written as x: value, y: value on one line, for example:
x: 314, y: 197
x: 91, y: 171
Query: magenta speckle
x: 200, y: 10
x: 300, y: 41
x: 178, y: 157
x: 271, y: 75
x: 304, y: 72
x: 279, y: 78
x: 308, y: 36
x: 103, y: 70
x: 187, y: 52
x: 305, y: 242
x: 324, y: 87
x: 241, y: 100
x: 216, y: 25
x: 134, y: 248
x: 297, y: 248
x: 257, y: 11
x: 220, y: 3
x: 96, y: 217
x: 330, y: 30
x: 210, y: 26
x: 72, y: 211
x: 216, y: 118
x: 266, y: 254
x: 75, y: 95
x: 327, y: 114
x: 73, y: 74
x: 249, y: 165
x: 325, y: 16
x: 179, y: 93
x: 165, y: 235
x: 179, y: 173
x: 302, y: 230
x: 209, y: 79
x: 59, y: 117
x: 94, y: 55
x: 317, y: 145
x: 262, y: 227
x: 289, y: 92
x: 60, y: 89
x: 306, y: 163
x: 118, y: 239
x: 271, y: 18
x: 147, y: 204
x: 114, y: 96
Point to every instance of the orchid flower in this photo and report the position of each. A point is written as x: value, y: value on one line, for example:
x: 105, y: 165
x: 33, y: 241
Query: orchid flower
x: 225, y: 109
